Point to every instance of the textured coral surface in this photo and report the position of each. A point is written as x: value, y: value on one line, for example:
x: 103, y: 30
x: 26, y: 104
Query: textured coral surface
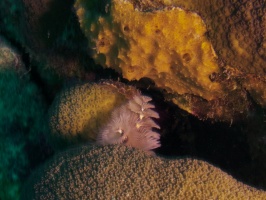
x: 79, y: 112
x: 117, y: 172
x: 237, y: 32
x: 236, y: 28
x: 172, y: 46
x: 178, y: 58
x: 206, y: 57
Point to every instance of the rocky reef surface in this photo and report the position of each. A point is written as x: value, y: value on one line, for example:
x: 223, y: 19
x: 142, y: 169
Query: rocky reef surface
x: 182, y: 80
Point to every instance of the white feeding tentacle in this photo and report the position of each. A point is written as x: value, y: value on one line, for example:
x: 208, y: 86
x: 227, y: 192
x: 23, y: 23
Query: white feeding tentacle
x: 147, y: 122
x: 131, y: 124
x: 140, y: 105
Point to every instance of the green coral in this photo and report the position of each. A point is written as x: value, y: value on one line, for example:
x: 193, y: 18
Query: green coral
x: 20, y: 103
x: 21, y: 124
x: 119, y: 172
x: 22, y: 113
x: 12, y: 19
x: 14, y: 163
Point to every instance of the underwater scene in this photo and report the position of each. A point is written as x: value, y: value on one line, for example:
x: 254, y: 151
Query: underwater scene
x: 132, y: 99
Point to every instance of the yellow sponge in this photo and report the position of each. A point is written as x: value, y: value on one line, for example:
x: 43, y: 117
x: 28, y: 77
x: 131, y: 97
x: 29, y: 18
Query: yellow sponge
x: 169, y: 46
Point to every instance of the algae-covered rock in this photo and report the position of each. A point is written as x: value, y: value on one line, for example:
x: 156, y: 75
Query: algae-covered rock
x: 119, y: 172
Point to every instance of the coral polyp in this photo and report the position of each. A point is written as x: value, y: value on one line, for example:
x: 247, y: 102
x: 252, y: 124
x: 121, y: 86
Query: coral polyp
x: 132, y: 125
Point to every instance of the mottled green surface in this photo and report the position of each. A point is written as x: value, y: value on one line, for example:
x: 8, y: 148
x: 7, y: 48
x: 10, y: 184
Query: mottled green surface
x: 22, y: 112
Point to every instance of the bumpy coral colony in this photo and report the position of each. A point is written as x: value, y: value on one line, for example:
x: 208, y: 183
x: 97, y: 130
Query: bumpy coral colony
x: 108, y: 112
x: 79, y: 111
x: 119, y: 172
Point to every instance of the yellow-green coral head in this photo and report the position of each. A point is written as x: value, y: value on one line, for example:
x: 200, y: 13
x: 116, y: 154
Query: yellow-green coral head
x: 78, y: 112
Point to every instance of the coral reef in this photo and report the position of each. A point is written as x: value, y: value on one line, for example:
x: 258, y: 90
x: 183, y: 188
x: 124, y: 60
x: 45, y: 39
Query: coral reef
x: 22, y: 103
x: 9, y: 57
x: 235, y: 105
x: 14, y: 163
x: 237, y: 31
x: 22, y: 111
x: 132, y: 124
x: 193, y: 69
x: 119, y: 172
x: 45, y: 21
x: 169, y: 45
x: 49, y: 31
x: 178, y: 58
x: 52, y: 36
x: 79, y: 111
x: 12, y: 21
